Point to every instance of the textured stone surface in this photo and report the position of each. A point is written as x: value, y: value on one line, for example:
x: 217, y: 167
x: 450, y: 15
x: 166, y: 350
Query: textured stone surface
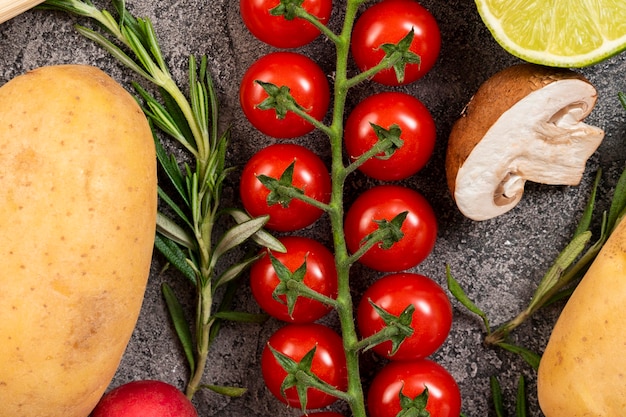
x: 498, y: 262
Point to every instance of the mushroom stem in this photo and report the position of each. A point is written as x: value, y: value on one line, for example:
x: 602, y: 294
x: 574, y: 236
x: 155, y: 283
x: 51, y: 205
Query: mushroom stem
x: 510, y: 188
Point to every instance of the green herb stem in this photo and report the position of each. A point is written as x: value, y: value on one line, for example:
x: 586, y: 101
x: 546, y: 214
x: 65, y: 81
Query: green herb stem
x: 187, y: 243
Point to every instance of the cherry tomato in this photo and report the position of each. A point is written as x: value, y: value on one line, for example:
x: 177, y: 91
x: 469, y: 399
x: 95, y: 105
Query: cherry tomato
x: 410, y: 377
x: 309, y: 174
x: 418, y: 134
x: 320, y: 276
x: 307, y: 84
x: 295, y: 341
x: 431, y: 319
x: 388, y: 22
x: 278, y: 31
x: 144, y: 398
x: 385, y: 202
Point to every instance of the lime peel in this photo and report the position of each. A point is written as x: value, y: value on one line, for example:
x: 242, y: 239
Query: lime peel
x: 557, y: 33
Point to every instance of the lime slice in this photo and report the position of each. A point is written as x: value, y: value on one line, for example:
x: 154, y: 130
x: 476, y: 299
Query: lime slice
x: 558, y: 33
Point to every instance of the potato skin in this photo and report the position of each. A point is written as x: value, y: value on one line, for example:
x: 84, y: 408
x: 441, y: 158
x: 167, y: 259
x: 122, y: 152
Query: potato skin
x: 77, y: 225
x: 583, y: 369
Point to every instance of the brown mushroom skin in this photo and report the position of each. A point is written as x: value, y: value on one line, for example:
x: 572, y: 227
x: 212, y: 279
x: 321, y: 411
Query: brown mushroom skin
x: 495, y: 96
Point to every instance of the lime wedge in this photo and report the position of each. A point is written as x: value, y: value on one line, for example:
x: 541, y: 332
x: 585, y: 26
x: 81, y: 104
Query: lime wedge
x: 557, y: 33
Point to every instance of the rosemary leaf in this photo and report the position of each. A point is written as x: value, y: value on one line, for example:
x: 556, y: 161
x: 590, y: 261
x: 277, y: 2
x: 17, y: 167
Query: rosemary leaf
x: 113, y: 50
x: 521, y: 405
x: 234, y: 271
x: 496, y: 393
x: 180, y: 323
x: 175, y: 256
x: 236, y: 236
x: 618, y: 204
x: 455, y: 289
x: 585, y: 220
x: 228, y: 391
x: 171, y: 230
x: 241, y: 317
x: 553, y: 277
x: 529, y: 356
x: 261, y: 237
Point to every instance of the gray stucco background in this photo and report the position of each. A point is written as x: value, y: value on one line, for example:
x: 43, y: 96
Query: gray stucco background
x: 499, y: 262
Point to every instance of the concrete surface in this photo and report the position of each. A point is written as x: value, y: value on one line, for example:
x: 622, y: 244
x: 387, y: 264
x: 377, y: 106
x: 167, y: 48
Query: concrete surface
x: 499, y: 262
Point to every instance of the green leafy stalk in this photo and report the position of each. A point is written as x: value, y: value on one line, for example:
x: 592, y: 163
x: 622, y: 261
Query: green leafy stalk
x: 187, y: 239
x: 573, y: 261
x: 561, y: 278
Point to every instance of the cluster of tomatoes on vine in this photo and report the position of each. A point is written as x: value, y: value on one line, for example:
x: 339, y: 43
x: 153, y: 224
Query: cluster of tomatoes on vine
x: 292, y: 184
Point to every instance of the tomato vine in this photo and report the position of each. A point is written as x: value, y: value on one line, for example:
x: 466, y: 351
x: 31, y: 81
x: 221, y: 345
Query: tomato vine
x: 384, y: 232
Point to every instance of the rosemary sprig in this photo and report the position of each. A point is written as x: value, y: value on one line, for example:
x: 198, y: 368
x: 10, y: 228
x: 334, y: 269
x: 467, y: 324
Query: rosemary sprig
x: 186, y: 238
x: 521, y: 404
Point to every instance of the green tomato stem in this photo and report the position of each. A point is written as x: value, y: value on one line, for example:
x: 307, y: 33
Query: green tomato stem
x: 345, y: 308
x: 377, y: 338
x: 305, y: 291
x: 378, y: 148
x: 302, y: 13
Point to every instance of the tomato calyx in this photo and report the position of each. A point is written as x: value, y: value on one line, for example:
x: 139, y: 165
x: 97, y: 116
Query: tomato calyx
x: 292, y: 286
x: 396, y: 330
x: 389, y: 139
x: 388, y: 143
x: 399, y: 56
x: 389, y: 231
x: 279, y: 99
x: 385, y: 236
x: 284, y: 288
x: 414, y: 407
x: 289, y: 9
x: 282, y: 191
x: 301, y: 377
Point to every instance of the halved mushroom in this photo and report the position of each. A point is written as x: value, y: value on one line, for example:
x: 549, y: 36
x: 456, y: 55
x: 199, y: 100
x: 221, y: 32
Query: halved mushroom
x: 523, y: 124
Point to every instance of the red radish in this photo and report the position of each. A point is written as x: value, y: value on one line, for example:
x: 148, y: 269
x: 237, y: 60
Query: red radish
x: 147, y: 398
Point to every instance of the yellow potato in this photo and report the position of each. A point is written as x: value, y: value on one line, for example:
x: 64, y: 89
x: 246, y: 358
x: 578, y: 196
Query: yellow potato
x: 77, y: 223
x: 583, y: 369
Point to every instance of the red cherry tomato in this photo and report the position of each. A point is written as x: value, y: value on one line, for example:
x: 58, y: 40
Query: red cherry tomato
x: 384, y: 202
x: 144, y: 398
x: 410, y: 377
x: 320, y: 276
x: 295, y: 341
x: 418, y: 134
x: 432, y: 318
x: 307, y: 84
x: 388, y: 22
x: 310, y: 174
x: 279, y: 32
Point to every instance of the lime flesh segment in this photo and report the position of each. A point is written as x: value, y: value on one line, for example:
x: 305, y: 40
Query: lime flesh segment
x: 559, y: 33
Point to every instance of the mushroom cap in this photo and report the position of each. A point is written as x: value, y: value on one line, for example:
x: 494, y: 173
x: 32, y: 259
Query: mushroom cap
x: 523, y: 123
